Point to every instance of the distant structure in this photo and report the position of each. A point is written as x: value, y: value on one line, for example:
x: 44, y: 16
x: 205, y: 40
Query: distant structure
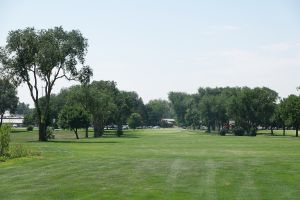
x: 13, y: 120
x: 168, y: 122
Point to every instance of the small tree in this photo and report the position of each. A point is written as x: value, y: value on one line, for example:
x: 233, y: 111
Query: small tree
x: 8, y: 98
x: 134, y: 120
x: 291, y: 111
x: 73, y: 117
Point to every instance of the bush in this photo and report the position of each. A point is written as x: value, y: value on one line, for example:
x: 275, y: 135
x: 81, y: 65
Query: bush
x: 29, y: 128
x: 223, y: 131
x: 18, y: 150
x: 252, y: 132
x: 4, y: 140
x: 238, y: 131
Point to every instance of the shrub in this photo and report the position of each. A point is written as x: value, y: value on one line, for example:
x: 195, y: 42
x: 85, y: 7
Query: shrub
x: 29, y: 128
x: 18, y: 150
x: 4, y: 140
x: 238, y: 131
x: 223, y: 131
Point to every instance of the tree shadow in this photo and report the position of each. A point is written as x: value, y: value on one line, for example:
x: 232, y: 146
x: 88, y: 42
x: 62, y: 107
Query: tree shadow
x: 77, y: 142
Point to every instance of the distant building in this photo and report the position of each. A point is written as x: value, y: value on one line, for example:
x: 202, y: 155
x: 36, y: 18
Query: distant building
x: 168, y: 122
x: 13, y: 120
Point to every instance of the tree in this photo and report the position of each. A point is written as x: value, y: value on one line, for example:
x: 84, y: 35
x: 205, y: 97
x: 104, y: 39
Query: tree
x: 73, y: 117
x: 101, y: 104
x: 30, y: 118
x: 253, y: 107
x: 291, y: 111
x: 85, y: 78
x: 135, y: 120
x: 22, y: 108
x: 43, y: 56
x: 8, y: 98
x: 179, y: 102
x: 158, y: 109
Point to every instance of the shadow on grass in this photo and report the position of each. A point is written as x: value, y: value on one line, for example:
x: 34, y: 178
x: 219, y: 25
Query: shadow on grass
x: 75, y: 142
x: 83, y: 142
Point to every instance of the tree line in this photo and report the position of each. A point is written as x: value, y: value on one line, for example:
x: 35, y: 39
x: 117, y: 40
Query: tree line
x: 247, y: 109
x: 38, y: 58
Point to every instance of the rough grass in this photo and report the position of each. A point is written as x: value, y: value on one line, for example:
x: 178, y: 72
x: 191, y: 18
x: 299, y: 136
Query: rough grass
x: 154, y: 164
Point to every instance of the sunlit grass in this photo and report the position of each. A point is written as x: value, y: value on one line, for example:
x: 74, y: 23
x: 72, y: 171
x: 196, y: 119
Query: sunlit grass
x: 154, y: 164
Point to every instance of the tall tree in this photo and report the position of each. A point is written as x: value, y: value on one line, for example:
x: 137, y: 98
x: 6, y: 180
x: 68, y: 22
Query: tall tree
x: 8, y: 98
x: 43, y: 56
x: 179, y: 102
x: 102, y: 104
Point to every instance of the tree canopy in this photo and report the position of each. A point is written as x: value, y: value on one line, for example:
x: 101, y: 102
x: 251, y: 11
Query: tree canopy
x: 43, y: 56
x: 8, y: 98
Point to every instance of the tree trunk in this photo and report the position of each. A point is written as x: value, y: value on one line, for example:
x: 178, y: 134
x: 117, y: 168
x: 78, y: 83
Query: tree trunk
x: 272, y: 133
x: 119, y: 130
x: 208, y: 128
x: 96, y: 129
x: 42, y: 131
x: 297, y: 132
x: 87, y: 131
x: 1, y: 120
x: 75, y: 130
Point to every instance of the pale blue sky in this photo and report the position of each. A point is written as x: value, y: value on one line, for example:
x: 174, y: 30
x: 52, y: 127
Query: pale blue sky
x: 154, y: 47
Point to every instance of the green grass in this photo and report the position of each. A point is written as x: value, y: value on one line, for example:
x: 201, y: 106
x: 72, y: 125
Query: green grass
x: 154, y: 164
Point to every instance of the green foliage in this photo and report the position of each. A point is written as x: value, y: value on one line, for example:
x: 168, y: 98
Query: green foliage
x: 4, y: 140
x: 180, y: 102
x: 8, y: 97
x: 73, y: 117
x: 134, y: 120
x: 22, y: 109
x: 102, y: 104
x: 291, y: 111
x: 158, y: 109
x: 30, y: 118
x: 238, y: 131
x: 43, y: 56
x: 18, y: 151
x: 223, y: 131
x: 29, y: 128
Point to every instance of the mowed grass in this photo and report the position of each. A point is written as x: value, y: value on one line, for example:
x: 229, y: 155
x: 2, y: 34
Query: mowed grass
x: 154, y: 164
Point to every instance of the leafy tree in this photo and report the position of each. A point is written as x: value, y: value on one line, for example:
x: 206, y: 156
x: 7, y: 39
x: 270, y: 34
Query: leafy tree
x: 73, y: 117
x: 207, y: 110
x: 101, y: 104
x: 179, y: 102
x: 291, y: 111
x: 158, y: 109
x: 8, y: 98
x: 43, y: 56
x: 22, y: 108
x: 30, y: 118
x: 135, y: 120
x: 253, y: 107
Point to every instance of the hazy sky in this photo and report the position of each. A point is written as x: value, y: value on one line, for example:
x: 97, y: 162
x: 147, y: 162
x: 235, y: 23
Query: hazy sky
x: 154, y: 47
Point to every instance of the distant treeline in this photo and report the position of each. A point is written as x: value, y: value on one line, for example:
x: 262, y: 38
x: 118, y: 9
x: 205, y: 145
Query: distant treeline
x: 246, y: 108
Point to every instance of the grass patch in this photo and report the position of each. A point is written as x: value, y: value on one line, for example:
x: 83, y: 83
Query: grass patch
x: 154, y: 164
